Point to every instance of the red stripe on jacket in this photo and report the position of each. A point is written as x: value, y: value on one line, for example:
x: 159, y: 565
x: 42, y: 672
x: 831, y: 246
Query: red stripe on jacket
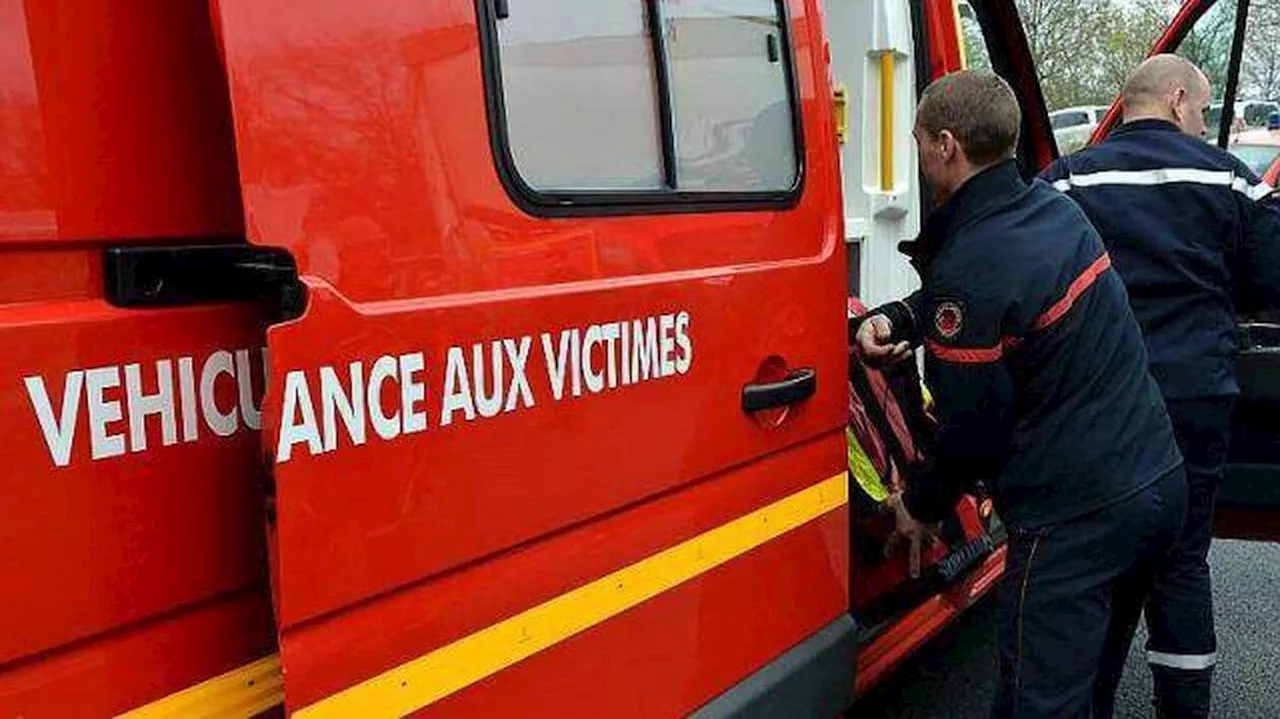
x: 1059, y: 309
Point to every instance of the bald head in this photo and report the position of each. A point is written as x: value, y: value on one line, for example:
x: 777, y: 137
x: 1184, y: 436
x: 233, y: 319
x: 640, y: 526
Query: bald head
x: 1167, y: 87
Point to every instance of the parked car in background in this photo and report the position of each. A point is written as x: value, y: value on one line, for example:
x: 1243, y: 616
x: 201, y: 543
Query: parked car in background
x: 1260, y: 149
x: 1259, y: 113
x: 1248, y: 113
x: 1073, y: 126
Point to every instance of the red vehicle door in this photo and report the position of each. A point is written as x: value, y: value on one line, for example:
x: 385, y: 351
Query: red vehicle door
x: 560, y: 428
x: 1220, y: 36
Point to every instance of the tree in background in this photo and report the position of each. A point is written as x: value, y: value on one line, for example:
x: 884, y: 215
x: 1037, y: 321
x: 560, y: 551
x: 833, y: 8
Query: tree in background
x: 1260, y: 71
x: 1209, y: 44
x: 1085, y: 48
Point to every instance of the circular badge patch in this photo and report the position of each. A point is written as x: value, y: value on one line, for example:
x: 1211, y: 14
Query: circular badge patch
x: 948, y: 319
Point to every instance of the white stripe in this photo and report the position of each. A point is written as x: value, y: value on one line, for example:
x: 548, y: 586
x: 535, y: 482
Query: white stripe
x: 1167, y: 176
x: 1182, y: 661
x: 1261, y: 191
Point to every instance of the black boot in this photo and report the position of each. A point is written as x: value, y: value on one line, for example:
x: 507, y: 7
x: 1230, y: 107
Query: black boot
x: 1182, y: 693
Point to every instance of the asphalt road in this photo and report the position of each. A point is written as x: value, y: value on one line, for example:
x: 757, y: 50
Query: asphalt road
x: 953, y: 677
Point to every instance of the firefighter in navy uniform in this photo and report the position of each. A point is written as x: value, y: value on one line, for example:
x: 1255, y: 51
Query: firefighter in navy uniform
x: 1041, y: 388
x: 1194, y: 235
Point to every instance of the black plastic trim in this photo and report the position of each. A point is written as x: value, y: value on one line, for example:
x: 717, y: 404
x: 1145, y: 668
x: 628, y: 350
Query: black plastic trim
x: 920, y: 43
x: 666, y: 110
x: 924, y: 76
x: 643, y: 202
x: 812, y: 681
x: 1233, y: 74
x: 170, y: 275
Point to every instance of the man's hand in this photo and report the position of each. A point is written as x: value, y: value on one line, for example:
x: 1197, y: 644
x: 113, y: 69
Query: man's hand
x: 873, y: 342
x: 909, y: 531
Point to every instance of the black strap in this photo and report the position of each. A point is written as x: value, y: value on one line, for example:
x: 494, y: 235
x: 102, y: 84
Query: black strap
x: 904, y: 379
x: 876, y: 412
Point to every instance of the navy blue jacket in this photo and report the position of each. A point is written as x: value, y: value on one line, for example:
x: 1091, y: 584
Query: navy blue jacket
x: 1034, y: 358
x: 1194, y: 234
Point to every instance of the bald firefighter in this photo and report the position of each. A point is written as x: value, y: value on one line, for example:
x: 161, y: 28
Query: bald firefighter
x: 1041, y: 388
x: 1195, y: 235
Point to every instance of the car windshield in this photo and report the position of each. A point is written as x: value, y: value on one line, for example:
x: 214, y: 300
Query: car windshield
x: 1257, y: 157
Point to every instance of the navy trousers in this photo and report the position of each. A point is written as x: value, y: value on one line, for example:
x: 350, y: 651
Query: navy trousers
x: 1071, y: 600
x: 1183, y: 647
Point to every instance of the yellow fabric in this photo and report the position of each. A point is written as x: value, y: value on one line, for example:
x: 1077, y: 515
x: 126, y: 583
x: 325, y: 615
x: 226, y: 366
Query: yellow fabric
x: 863, y: 471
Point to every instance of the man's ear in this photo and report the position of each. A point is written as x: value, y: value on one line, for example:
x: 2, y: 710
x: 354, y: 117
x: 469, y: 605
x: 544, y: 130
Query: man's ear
x: 1176, y: 103
x: 948, y: 147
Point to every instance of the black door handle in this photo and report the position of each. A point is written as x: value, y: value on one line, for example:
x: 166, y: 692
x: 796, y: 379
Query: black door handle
x: 797, y: 387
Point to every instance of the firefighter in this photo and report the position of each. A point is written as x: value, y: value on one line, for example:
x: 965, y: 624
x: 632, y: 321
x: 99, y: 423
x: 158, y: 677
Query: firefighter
x: 1187, y: 225
x: 1040, y: 385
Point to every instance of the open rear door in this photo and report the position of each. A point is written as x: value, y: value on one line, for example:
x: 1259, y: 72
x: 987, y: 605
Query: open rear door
x: 1249, y: 506
x: 1227, y: 38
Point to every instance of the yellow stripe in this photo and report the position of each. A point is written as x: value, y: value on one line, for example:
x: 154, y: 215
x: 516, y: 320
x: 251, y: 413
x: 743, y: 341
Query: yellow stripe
x: 964, y: 50
x: 886, y: 121
x: 243, y: 692
x: 423, y: 681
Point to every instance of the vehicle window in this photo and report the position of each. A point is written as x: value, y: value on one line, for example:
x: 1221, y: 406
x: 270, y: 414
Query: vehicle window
x: 601, y: 100
x: 729, y: 95
x: 580, y: 95
x: 1257, y: 157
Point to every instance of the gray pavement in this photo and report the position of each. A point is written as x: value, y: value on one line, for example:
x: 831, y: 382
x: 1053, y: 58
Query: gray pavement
x: 953, y: 677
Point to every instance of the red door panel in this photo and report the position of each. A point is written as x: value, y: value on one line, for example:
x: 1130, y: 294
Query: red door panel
x: 132, y: 564
x: 365, y: 149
